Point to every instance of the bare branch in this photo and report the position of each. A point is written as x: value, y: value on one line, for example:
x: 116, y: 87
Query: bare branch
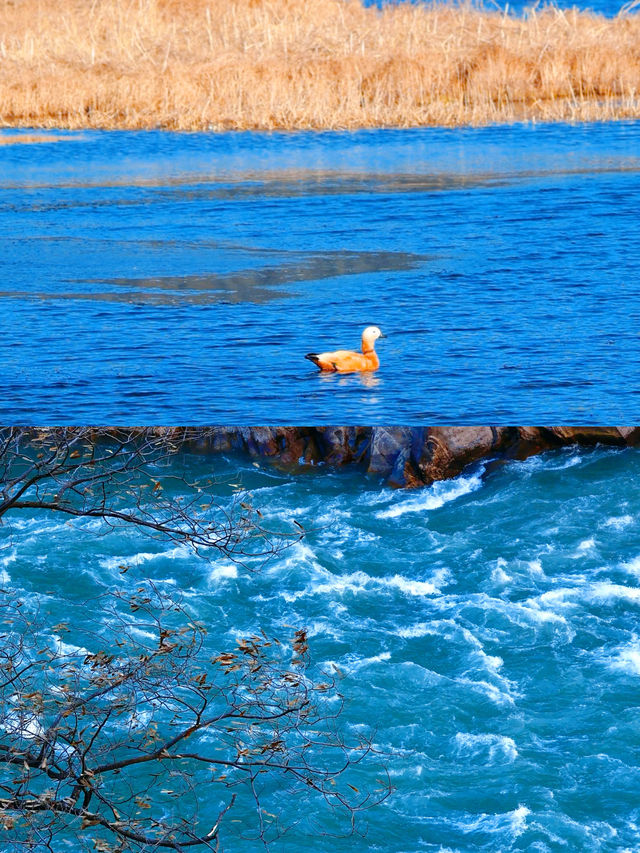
x: 116, y: 741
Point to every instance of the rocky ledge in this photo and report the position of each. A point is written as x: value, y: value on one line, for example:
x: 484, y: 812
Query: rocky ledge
x: 405, y: 457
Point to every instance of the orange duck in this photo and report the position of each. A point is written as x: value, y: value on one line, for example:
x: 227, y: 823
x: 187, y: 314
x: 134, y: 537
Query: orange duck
x: 348, y: 361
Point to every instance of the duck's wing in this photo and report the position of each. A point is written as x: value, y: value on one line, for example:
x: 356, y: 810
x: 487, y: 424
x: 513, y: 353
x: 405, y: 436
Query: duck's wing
x: 337, y: 355
x: 332, y: 361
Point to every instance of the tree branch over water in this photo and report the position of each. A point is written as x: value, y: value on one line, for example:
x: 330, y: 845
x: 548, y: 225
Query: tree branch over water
x: 135, y: 732
x: 126, y: 476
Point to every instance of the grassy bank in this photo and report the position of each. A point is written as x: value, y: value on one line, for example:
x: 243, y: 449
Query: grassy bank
x: 197, y: 64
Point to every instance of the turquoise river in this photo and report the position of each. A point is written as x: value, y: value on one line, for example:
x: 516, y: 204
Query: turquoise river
x: 486, y: 631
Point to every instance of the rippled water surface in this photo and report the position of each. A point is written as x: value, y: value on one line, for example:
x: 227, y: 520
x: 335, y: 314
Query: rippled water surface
x: 155, y: 277
x: 489, y: 627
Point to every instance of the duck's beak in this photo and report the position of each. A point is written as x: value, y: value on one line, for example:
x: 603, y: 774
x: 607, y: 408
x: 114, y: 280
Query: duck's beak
x: 382, y: 335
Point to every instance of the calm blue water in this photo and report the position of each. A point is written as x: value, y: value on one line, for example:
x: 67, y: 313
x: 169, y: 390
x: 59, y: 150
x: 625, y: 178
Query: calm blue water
x: 489, y: 628
x: 180, y: 278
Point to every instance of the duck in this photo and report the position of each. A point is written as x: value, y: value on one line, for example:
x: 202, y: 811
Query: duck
x: 349, y: 361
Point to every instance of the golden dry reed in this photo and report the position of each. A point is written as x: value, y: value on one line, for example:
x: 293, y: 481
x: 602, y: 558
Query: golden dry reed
x: 214, y: 64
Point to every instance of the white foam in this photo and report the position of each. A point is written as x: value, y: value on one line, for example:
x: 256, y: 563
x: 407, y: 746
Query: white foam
x: 139, y: 719
x: 538, y: 614
x: 339, y: 584
x: 359, y: 582
x: 551, y: 461
x: 535, y: 567
x: 338, y: 534
x: 492, y: 749
x: 34, y: 526
x: 492, y: 662
x: 411, y: 587
x: 223, y: 572
x: 603, y: 592
x: 67, y: 648
x: 498, y: 575
x: 515, y: 822
x: 421, y: 629
x: 299, y: 556
x: 573, y: 460
x: 586, y: 545
x: 328, y: 518
x: 627, y: 659
x: 9, y: 558
x: 491, y: 691
x: 499, y: 689
x: 23, y: 724
x: 564, y: 597
x: 632, y: 566
x: 325, y: 628
x: 618, y: 522
x: 434, y: 497
x: 528, y: 614
x: 360, y: 664
x: 518, y: 820
x: 114, y: 563
x: 612, y: 592
x: 352, y: 664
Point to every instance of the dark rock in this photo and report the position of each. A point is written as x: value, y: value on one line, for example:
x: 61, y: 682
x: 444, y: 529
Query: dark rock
x: 446, y: 451
x: 620, y: 436
x: 389, y: 450
x: 404, y: 457
x: 342, y: 445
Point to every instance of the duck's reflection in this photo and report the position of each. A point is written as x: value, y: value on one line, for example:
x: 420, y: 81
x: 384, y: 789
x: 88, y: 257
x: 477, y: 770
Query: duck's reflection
x: 367, y: 379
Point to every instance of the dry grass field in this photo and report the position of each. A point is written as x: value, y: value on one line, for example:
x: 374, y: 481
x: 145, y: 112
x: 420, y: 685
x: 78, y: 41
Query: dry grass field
x: 199, y: 64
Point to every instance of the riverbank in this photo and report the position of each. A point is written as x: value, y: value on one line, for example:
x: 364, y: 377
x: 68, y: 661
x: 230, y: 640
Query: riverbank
x: 404, y: 457
x: 291, y: 64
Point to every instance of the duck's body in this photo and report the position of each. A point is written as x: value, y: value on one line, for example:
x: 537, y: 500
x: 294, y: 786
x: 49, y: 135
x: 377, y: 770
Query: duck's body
x: 349, y: 361
x: 344, y: 361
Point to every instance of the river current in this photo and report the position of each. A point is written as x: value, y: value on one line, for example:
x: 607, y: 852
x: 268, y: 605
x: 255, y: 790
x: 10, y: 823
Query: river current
x: 181, y: 278
x: 486, y: 630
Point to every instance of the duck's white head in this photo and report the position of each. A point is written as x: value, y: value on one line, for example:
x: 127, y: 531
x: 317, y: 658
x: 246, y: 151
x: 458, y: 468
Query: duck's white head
x: 370, y: 336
